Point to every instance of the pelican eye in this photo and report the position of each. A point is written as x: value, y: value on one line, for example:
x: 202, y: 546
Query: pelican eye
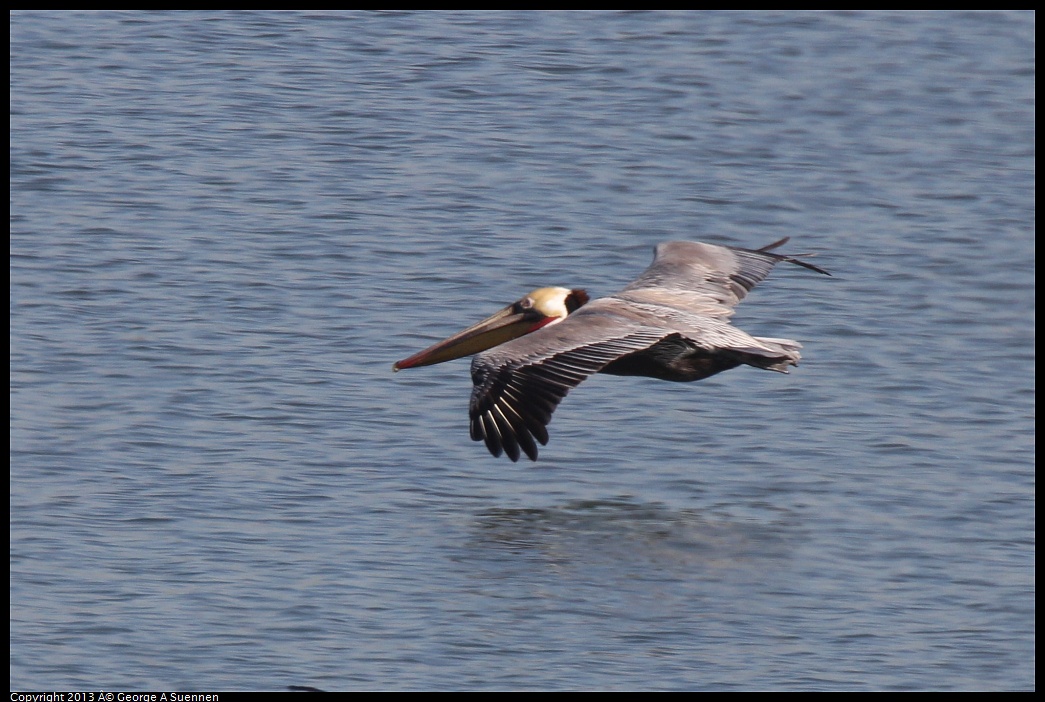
x: 525, y: 304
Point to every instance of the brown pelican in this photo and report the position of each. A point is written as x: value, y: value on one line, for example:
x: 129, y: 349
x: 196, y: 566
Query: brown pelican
x: 671, y: 323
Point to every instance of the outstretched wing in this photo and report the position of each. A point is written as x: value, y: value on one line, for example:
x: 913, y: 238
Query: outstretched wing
x: 519, y: 384
x: 690, y: 290
x: 703, y: 278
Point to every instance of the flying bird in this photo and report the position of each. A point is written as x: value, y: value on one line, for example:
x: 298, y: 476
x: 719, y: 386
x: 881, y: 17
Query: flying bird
x: 671, y: 323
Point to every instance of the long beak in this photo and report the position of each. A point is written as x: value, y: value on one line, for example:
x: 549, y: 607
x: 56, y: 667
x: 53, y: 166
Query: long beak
x: 504, y: 326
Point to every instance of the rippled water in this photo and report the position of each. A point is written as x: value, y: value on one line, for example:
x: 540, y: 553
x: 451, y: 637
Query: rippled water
x: 225, y: 227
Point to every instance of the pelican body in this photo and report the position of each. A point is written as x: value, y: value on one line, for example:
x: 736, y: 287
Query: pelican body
x: 671, y: 323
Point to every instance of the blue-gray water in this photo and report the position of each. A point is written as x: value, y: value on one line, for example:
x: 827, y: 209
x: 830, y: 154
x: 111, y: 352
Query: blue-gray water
x: 226, y: 227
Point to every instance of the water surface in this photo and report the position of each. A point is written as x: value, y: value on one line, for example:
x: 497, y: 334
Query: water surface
x: 225, y: 227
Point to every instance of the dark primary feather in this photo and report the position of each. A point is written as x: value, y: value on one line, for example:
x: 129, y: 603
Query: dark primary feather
x: 790, y: 259
x: 512, y: 403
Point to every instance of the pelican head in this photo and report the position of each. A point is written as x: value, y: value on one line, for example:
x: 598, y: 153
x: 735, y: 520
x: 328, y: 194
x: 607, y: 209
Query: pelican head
x: 540, y: 308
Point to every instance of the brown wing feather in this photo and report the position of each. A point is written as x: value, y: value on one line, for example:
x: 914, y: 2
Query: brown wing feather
x: 705, y: 278
x: 513, y: 399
